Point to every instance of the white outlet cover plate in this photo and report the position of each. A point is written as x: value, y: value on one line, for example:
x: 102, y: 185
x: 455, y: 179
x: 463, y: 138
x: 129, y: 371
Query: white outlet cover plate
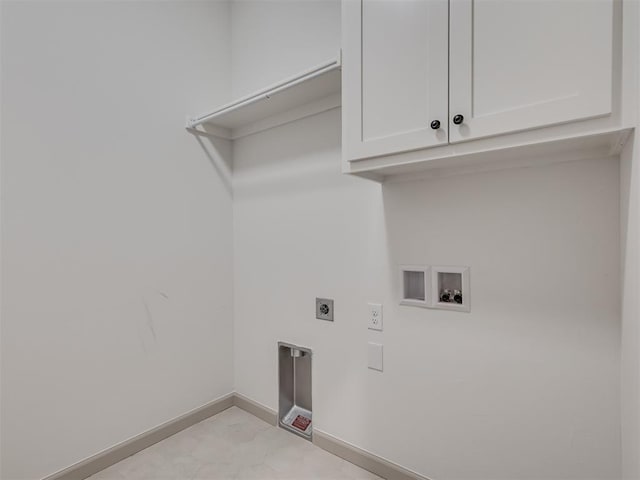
x: 375, y: 317
x: 375, y: 356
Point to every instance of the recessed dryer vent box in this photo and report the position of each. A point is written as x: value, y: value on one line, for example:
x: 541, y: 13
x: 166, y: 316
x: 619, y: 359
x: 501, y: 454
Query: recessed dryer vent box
x: 415, y: 284
x: 450, y: 288
x: 294, y: 379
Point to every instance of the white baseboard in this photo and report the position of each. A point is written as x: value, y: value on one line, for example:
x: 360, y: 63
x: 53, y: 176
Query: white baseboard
x: 366, y: 460
x: 331, y: 444
x: 106, y: 458
x: 256, y: 409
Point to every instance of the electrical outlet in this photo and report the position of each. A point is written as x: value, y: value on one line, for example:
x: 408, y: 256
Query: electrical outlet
x: 324, y: 309
x: 375, y: 316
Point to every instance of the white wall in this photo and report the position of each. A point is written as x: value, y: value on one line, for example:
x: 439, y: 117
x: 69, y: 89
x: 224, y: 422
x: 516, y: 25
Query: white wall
x: 106, y: 215
x: 630, y: 200
x: 276, y: 39
x: 525, y: 386
x: 630, y: 259
x: 116, y: 225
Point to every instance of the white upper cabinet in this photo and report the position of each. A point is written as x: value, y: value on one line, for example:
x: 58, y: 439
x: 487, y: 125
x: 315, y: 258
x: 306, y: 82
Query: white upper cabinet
x: 520, y: 64
x: 395, y: 75
x: 495, y: 74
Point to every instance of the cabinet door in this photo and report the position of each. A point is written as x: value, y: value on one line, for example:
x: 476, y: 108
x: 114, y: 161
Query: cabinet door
x: 394, y: 75
x: 520, y: 64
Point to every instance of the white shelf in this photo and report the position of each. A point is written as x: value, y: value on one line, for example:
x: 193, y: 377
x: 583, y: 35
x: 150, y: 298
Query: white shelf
x: 307, y: 93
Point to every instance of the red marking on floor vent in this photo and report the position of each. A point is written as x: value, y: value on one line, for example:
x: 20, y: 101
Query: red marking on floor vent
x: 301, y: 422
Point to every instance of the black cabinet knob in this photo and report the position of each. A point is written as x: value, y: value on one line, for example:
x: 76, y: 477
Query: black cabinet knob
x: 458, y: 119
x: 435, y: 124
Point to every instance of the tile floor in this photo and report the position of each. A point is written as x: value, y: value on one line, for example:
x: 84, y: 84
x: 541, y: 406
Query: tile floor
x: 233, y: 445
